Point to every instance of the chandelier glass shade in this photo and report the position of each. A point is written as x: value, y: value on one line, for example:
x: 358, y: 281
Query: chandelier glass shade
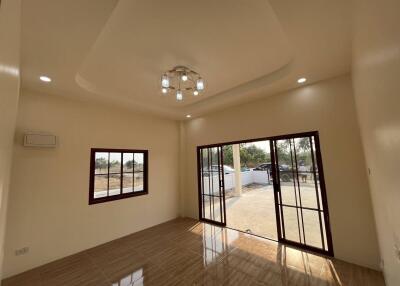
x: 181, y: 81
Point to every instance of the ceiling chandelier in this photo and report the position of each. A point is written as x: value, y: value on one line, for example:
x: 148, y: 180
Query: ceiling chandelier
x: 181, y: 80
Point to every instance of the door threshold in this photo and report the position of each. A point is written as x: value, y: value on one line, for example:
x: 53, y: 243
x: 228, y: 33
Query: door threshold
x: 250, y: 233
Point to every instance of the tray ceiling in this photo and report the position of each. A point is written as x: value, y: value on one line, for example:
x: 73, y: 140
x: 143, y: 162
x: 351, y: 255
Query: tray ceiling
x: 116, y: 51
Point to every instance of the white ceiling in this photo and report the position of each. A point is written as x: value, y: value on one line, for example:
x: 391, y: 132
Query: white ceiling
x: 115, y: 51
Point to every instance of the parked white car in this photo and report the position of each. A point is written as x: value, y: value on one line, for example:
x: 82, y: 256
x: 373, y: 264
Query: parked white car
x: 214, y: 170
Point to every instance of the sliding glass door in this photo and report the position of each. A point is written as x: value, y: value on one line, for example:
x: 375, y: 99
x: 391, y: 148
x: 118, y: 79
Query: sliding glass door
x: 300, y: 196
x: 211, y: 185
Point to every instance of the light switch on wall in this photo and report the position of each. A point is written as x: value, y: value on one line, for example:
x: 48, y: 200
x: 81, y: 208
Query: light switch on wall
x: 21, y: 251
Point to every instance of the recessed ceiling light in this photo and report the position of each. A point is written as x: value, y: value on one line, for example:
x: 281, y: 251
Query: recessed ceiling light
x: 188, y: 116
x: 45, y: 78
x: 302, y: 80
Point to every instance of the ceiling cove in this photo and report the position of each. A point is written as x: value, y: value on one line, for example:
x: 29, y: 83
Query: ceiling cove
x: 230, y: 43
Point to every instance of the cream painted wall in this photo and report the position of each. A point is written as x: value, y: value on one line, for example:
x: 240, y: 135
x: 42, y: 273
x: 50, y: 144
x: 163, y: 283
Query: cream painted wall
x: 328, y: 107
x: 48, y: 207
x: 376, y: 75
x: 10, y: 12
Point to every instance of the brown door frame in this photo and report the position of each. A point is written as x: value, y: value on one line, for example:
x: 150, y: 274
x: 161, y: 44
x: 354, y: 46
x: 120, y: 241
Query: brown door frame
x: 276, y: 186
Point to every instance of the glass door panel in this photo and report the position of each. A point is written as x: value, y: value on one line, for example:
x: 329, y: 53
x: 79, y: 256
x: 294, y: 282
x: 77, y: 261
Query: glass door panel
x: 211, y: 185
x: 301, y: 199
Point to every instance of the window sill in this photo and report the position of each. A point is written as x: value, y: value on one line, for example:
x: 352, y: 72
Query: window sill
x: 93, y: 201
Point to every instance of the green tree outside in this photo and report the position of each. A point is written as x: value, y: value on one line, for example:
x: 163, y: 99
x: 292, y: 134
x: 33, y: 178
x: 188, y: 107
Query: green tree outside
x: 250, y: 156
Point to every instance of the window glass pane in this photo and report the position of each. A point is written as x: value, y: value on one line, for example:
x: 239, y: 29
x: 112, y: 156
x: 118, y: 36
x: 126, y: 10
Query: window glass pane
x: 317, y: 175
x: 218, y: 211
x: 138, y: 182
x: 139, y: 160
x: 207, y: 207
x: 288, y: 193
x: 312, y: 228
x: 206, y: 183
x: 128, y: 162
x: 287, y: 177
x: 324, y: 231
x: 101, y: 163
x: 284, y: 156
x: 291, y: 224
x: 215, y: 172
x: 100, y: 186
x: 114, y: 185
x: 308, y: 195
x: 214, y: 167
x: 321, y: 205
x: 304, y: 166
x: 127, y: 183
x: 115, y: 162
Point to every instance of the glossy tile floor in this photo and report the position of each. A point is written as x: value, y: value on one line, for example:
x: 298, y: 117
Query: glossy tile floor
x: 186, y: 252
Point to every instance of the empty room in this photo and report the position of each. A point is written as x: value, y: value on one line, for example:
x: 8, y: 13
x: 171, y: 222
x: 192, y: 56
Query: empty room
x: 230, y: 142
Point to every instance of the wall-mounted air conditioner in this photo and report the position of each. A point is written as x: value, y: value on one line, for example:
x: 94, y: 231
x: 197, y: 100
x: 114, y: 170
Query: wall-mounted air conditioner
x: 39, y: 139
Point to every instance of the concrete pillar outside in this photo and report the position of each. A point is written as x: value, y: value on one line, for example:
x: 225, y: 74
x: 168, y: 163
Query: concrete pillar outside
x: 238, y: 173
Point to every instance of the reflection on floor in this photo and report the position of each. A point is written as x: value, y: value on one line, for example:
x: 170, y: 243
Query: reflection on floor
x: 186, y: 252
